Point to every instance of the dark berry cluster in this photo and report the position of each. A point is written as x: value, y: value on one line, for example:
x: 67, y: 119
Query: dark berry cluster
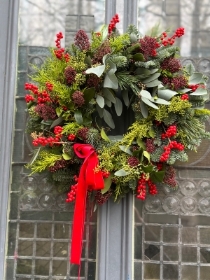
x: 170, y: 132
x: 150, y: 146
x: 45, y: 111
x: 82, y: 133
x: 78, y: 98
x: 81, y: 40
x: 70, y: 74
x: 59, y: 164
x: 170, y: 177
x: 102, y: 198
x: 171, y: 64
x: 133, y: 161
x: 113, y: 23
x: 148, y: 46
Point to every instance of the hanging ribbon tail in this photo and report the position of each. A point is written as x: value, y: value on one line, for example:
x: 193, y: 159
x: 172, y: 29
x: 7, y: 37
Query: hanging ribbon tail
x: 89, y: 176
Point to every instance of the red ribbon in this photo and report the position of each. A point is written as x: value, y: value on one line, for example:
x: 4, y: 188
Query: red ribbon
x: 88, y: 178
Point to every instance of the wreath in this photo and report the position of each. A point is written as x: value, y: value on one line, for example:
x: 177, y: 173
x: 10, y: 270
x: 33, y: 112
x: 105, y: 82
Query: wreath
x: 78, y: 91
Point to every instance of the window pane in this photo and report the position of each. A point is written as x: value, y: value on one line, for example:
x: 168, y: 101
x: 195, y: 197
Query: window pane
x: 40, y: 221
x: 174, y: 225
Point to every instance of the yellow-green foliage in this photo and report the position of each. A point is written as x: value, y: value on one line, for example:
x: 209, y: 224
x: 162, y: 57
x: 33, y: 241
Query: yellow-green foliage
x: 119, y: 42
x: 202, y: 112
x: 78, y: 61
x: 71, y: 128
x: 177, y: 106
x: 32, y: 113
x: 44, y: 160
x: 80, y: 79
x: 96, y: 41
x: 137, y: 130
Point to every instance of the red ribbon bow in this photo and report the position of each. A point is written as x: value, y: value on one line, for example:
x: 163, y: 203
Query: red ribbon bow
x: 88, y: 178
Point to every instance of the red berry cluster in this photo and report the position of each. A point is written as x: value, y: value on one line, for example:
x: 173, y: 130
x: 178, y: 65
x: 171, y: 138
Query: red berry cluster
x: 43, y: 141
x: 167, y: 150
x: 49, y: 86
x: 185, y: 97
x: 59, y: 53
x: 105, y: 173
x: 71, y: 195
x: 113, y: 23
x: 58, y: 40
x: 141, y: 188
x: 31, y: 87
x: 170, y: 40
x: 58, y: 130
x: 71, y: 137
x: 193, y: 87
x: 170, y: 132
x: 29, y: 98
x: 43, y: 97
x: 152, y: 187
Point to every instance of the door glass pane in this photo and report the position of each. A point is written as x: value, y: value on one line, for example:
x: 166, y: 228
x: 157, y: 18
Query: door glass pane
x: 40, y: 221
x: 172, y: 229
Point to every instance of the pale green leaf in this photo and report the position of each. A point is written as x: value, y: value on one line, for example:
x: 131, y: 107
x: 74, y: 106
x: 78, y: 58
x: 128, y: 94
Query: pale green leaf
x: 125, y: 97
x: 199, y: 91
x: 166, y: 94
x: 100, y: 100
x: 149, y: 103
x: 107, y: 93
x: 151, y: 78
x: 78, y: 117
x: 107, y: 184
x: 195, y: 78
x: 108, y: 118
x: 125, y: 149
x: 118, y: 107
x: 153, y: 83
x: 146, y: 94
x: 144, y: 109
x: 160, y: 101
x: 104, y: 136
x: 66, y: 156
x: 146, y: 155
x: 121, y: 173
x: 98, y: 70
x: 100, y: 111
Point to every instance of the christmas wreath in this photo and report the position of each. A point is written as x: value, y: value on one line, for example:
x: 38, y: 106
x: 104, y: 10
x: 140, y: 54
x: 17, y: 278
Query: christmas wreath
x: 78, y: 90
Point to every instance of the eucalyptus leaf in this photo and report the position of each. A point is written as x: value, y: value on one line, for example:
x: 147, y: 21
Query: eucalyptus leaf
x: 98, y: 70
x: 142, y: 71
x: 107, y: 184
x: 195, y: 78
x: 104, y: 136
x: 146, y: 155
x: 108, y: 118
x: 66, y: 156
x: 184, y: 90
x: 121, y: 173
x: 153, y: 83
x: 125, y: 97
x: 100, y: 100
x: 199, y: 91
x: 160, y: 101
x: 144, y: 110
x: 78, y: 117
x: 118, y: 106
x: 107, y: 93
x: 149, y: 103
x: 166, y: 94
x: 110, y: 80
x: 104, y: 32
x: 100, y: 111
x: 125, y: 149
x: 190, y: 68
x: 108, y: 102
x: 56, y: 122
x: 151, y: 78
x: 146, y: 94
x: 152, y: 71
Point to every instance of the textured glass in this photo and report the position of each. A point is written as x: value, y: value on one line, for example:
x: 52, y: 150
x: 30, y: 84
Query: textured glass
x: 40, y: 221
